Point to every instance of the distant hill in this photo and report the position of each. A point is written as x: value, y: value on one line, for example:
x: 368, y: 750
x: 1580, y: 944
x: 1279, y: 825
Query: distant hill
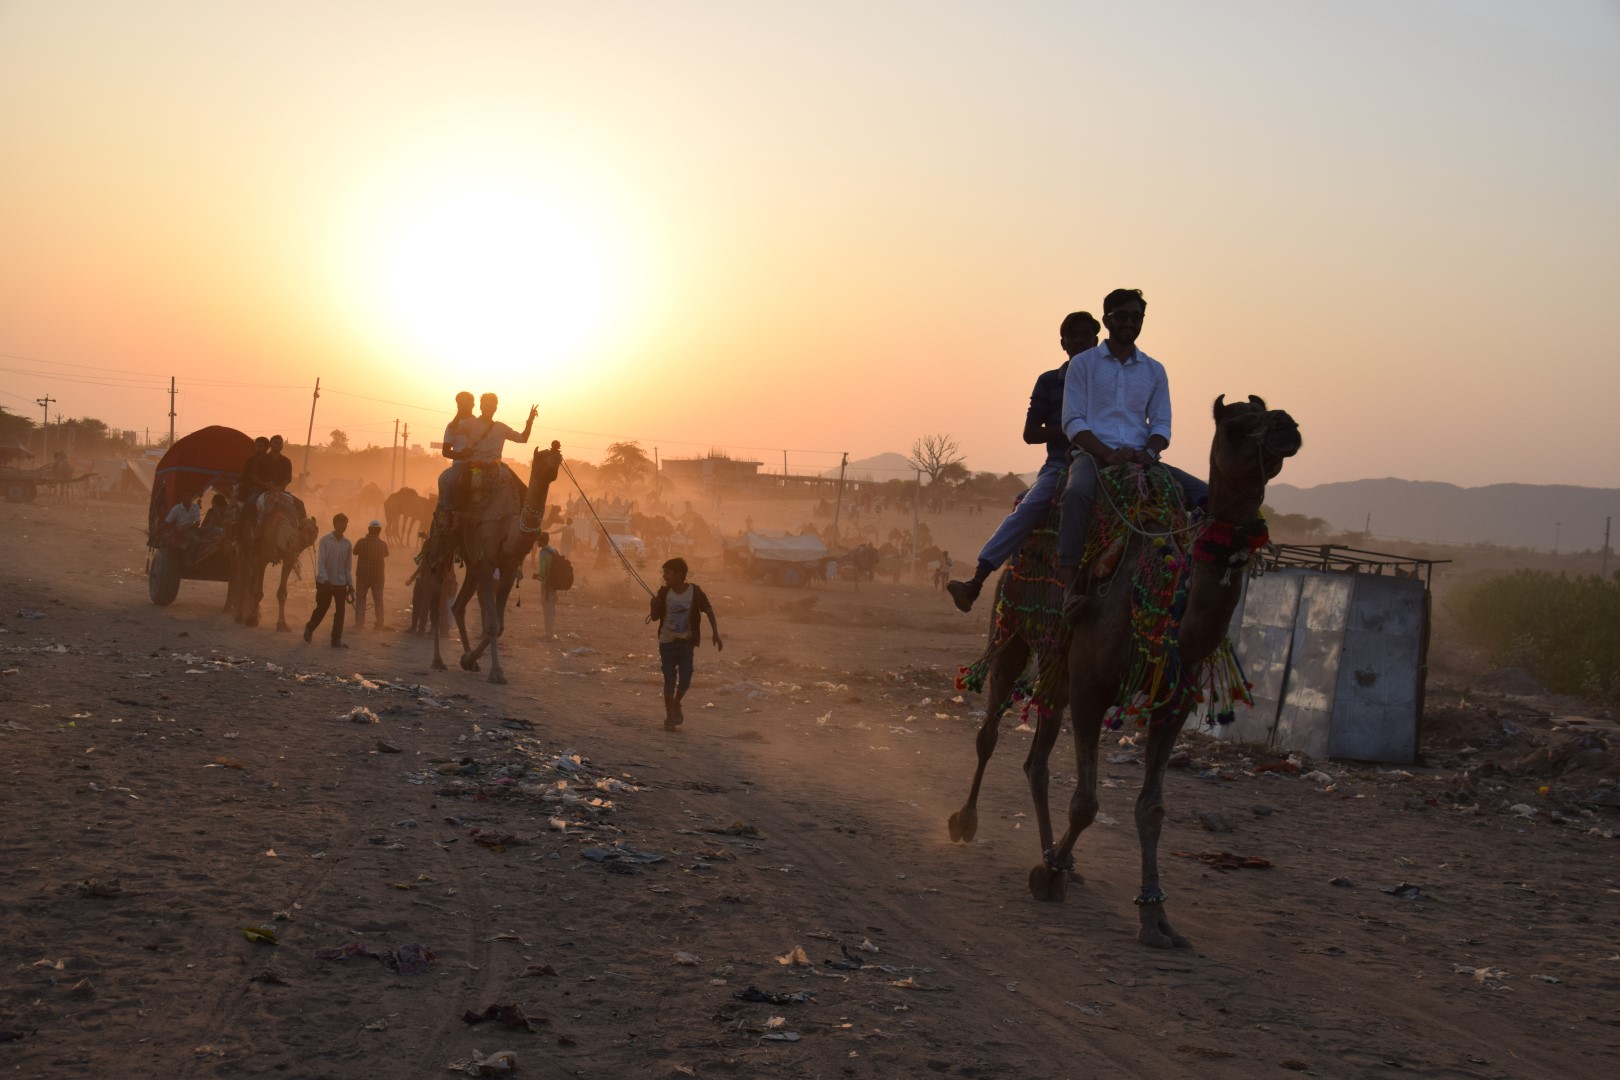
x: 1510, y: 515
x: 889, y: 466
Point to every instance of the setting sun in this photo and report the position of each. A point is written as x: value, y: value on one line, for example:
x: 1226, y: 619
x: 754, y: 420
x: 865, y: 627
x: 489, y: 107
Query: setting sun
x: 502, y: 279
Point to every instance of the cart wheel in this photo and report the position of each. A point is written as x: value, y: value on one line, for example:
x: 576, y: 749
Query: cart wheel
x: 20, y: 491
x: 163, y: 580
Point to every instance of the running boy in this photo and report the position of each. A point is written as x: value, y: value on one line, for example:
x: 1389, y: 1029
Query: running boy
x: 678, y: 607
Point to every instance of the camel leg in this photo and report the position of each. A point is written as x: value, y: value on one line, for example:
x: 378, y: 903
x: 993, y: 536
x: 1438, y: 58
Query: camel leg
x: 433, y: 591
x: 469, y: 585
x: 1086, y: 707
x: 281, y: 594
x: 253, y: 594
x: 1004, y: 672
x: 495, y: 623
x: 1155, y: 929
x: 1037, y: 769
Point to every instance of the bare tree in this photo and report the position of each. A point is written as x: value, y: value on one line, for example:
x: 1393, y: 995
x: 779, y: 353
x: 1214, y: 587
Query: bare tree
x: 933, y: 453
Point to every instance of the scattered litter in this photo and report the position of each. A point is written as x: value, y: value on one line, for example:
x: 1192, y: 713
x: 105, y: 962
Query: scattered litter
x: 535, y: 970
x: 100, y: 890
x: 1225, y: 860
x: 497, y: 1064
x: 770, y: 997
x: 1343, y: 883
x: 686, y: 959
x: 1482, y: 975
x: 360, y: 715
x: 620, y: 854
x: 1319, y: 777
x: 1214, y: 822
x: 403, y: 959
x: 260, y: 935
x: 781, y: 1036
x: 1547, y: 979
x: 1524, y: 810
x: 511, y: 1016
x: 1405, y: 891
x: 386, y: 747
x: 796, y: 957
x: 29, y: 613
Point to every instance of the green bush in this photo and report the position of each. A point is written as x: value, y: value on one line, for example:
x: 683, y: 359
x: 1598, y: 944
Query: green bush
x: 1563, y: 630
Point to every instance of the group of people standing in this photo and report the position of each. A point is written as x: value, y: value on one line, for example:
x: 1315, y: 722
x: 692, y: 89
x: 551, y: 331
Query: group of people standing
x: 1107, y: 404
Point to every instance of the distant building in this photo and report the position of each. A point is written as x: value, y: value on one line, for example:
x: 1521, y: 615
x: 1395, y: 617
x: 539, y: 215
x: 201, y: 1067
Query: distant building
x: 712, y: 470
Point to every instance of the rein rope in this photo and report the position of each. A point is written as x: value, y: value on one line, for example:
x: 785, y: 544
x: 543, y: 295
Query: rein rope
x: 629, y: 569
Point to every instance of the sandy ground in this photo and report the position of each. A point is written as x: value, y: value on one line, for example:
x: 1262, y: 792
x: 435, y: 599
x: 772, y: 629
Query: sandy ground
x: 173, y: 779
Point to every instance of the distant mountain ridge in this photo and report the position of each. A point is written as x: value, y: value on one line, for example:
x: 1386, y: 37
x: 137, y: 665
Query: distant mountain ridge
x: 1536, y: 516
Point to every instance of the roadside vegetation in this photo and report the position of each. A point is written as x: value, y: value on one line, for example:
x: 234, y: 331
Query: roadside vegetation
x: 1564, y: 630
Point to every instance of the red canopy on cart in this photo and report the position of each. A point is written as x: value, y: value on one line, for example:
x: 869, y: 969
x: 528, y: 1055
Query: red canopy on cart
x: 208, y: 456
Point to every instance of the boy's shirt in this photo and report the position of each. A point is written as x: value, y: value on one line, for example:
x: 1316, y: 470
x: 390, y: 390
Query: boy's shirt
x: 677, y: 624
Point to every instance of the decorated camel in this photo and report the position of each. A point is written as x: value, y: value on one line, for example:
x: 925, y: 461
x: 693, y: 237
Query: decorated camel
x: 282, y: 534
x: 1025, y: 662
x: 1150, y: 652
x: 493, y: 538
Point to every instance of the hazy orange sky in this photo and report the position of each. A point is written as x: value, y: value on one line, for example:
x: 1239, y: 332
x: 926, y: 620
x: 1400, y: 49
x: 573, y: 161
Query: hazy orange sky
x: 821, y: 227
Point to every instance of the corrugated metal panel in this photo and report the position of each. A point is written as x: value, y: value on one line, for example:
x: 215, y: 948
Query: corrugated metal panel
x: 1262, y: 635
x: 1305, y: 720
x: 1378, y: 697
x: 1335, y: 660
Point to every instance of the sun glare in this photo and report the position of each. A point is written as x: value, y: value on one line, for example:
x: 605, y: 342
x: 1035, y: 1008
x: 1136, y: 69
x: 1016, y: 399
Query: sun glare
x: 500, y: 280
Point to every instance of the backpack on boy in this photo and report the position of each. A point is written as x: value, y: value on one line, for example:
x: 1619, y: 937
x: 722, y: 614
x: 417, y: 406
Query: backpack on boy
x: 560, y: 575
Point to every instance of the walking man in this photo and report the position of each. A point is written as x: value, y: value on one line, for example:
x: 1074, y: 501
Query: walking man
x: 370, y: 553
x: 334, y: 580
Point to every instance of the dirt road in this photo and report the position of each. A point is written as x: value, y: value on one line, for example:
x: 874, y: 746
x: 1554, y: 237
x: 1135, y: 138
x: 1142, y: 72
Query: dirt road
x: 174, y: 779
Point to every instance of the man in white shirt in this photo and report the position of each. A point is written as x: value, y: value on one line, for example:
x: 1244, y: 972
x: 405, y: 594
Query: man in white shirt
x: 1116, y: 411
x: 334, y: 580
x: 489, y: 436
x: 184, y: 515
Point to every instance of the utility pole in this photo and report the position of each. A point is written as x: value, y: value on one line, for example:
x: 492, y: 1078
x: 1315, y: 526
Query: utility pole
x: 1606, y: 522
x: 1558, y: 527
x: 838, y: 506
x: 405, y: 455
x: 784, y: 470
x: 45, y: 404
x: 393, y: 462
x: 310, y: 436
x: 171, y: 410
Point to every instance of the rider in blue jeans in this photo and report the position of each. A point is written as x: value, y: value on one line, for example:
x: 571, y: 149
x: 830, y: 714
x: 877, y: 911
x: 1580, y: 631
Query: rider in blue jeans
x: 1041, y: 425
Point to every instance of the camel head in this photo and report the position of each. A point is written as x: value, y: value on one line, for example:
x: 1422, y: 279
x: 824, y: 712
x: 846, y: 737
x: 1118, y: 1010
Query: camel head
x: 547, y: 463
x: 1251, y: 441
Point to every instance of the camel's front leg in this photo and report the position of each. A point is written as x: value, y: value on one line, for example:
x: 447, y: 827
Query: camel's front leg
x: 254, y: 593
x: 1155, y: 928
x: 1037, y: 768
x: 1048, y: 881
x: 1004, y: 672
x: 433, y: 595
x: 469, y: 662
x: 281, y: 593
